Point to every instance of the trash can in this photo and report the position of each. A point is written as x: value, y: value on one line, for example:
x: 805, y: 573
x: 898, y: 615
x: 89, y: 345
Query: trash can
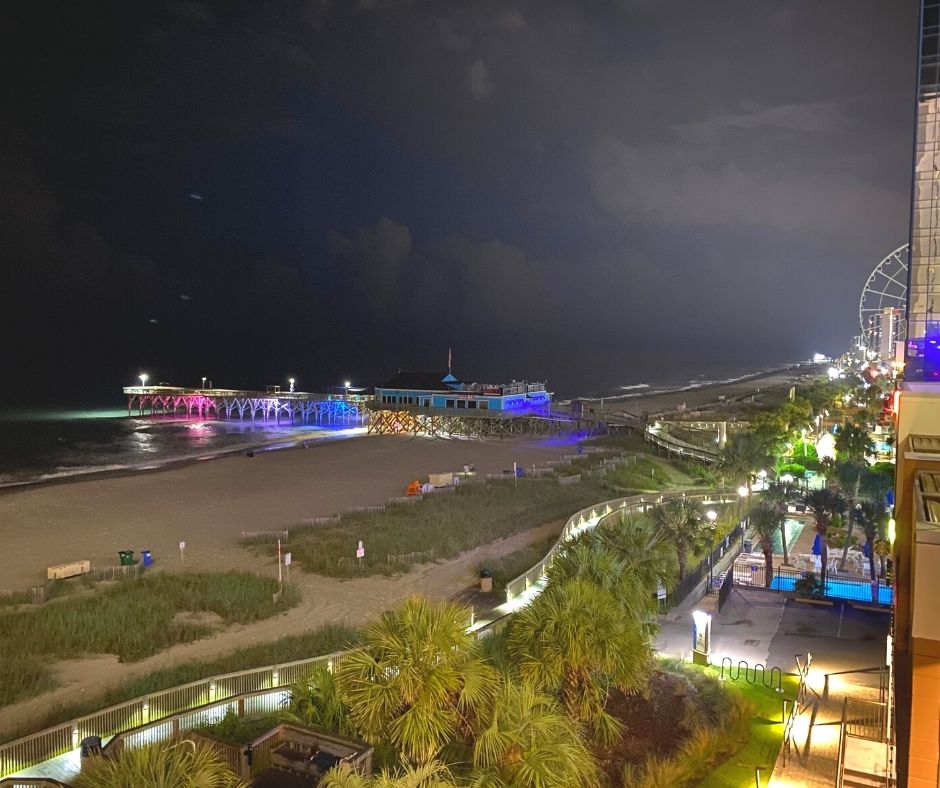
x: 486, y: 580
x: 126, y: 557
x: 146, y: 558
x: 748, y: 546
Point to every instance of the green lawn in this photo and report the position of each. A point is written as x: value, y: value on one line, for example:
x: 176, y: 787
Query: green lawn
x: 766, y: 735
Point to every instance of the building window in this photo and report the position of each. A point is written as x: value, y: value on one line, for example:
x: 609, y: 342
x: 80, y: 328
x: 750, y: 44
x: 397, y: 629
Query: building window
x: 485, y: 405
x: 472, y: 404
x: 461, y: 403
x: 449, y: 403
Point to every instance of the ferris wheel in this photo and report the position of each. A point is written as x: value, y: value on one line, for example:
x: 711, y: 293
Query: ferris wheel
x: 886, y: 288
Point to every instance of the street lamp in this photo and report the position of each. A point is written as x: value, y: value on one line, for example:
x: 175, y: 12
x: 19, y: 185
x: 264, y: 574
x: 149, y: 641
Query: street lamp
x: 291, y: 382
x: 712, y: 515
x: 763, y: 478
x: 143, y: 379
x: 744, y: 492
x: 203, y: 381
x: 347, y: 384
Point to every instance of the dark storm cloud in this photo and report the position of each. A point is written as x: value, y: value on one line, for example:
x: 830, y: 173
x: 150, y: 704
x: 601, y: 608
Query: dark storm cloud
x: 554, y: 172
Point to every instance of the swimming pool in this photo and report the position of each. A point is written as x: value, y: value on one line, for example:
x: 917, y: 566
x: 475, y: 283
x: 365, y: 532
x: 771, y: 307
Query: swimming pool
x: 794, y: 529
x: 840, y: 589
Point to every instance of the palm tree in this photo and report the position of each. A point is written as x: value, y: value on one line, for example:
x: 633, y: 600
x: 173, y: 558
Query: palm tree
x: 825, y: 505
x: 574, y: 639
x: 529, y: 742
x: 183, y: 764
x: 419, y: 681
x: 629, y: 564
x: 853, y: 443
x: 870, y: 517
x: 646, y: 557
x: 850, y: 474
x: 767, y: 521
x: 429, y: 775
x: 682, y: 522
x: 743, y: 455
x: 781, y: 495
x: 315, y: 700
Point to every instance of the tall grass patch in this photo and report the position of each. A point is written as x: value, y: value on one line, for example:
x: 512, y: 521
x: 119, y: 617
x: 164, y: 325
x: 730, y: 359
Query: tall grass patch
x: 132, y: 619
x: 439, y: 527
x: 510, y: 566
x: 644, y: 475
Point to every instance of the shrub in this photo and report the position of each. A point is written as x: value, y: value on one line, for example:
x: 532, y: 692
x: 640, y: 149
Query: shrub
x: 809, y: 586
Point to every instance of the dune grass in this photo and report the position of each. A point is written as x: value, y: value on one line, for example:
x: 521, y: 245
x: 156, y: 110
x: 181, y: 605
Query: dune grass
x: 510, y: 566
x: 131, y: 618
x: 646, y: 475
x: 305, y: 645
x: 439, y: 527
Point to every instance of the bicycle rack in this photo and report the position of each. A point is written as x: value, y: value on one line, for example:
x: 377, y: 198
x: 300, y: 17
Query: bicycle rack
x: 751, y: 673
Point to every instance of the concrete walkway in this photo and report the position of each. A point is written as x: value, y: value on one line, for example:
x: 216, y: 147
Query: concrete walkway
x: 763, y: 627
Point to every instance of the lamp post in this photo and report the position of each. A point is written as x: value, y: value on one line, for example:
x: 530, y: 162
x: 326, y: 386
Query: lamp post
x: 143, y: 379
x: 347, y: 384
x: 711, y: 515
x: 291, y: 382
x: 744, y: 491
x: 203, y: 381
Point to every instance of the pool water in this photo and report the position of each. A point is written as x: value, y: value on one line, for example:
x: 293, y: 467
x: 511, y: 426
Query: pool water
x: 794, y: 529
x: 840, y: 589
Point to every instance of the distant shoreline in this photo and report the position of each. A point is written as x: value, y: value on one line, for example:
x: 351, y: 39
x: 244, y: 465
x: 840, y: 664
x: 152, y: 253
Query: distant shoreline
x: 665, y: 395
x: 643, y: 391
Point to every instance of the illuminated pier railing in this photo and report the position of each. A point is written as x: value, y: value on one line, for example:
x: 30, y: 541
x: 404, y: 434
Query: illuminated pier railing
x: 293, y: 407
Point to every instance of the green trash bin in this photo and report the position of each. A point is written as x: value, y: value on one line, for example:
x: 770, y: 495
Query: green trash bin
x: 127, y: 557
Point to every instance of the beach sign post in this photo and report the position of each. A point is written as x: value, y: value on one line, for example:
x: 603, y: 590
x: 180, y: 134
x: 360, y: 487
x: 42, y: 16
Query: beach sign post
x: 279, y: 564
x: 360, y: 552
x: 287, y: 562
x: 182, y: 550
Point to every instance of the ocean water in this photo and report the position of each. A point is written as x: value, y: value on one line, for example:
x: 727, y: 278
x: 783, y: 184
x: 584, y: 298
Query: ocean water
x: 54, y: 444
x: 678, y: 380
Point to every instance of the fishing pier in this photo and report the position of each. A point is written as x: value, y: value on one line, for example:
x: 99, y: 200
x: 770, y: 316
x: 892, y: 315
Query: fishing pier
x: 273, y: 405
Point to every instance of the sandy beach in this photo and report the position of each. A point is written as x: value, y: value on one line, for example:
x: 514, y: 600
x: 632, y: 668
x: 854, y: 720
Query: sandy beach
x: 208, y: 505
x: 710, y: 396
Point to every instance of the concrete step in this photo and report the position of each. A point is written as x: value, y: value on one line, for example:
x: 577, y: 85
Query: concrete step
x: 855, y: 779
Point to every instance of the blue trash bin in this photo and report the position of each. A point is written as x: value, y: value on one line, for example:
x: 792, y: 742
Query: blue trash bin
x: 146, y: 558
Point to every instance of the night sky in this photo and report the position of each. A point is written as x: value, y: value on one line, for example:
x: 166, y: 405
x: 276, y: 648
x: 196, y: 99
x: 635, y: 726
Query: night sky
x: 592, y: 192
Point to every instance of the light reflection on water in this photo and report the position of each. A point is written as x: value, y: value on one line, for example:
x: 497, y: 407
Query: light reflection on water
x: 48, y: 444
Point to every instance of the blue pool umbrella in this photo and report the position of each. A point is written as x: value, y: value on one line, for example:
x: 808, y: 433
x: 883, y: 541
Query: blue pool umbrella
x: 817, y: 545
x: 867, y: 550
